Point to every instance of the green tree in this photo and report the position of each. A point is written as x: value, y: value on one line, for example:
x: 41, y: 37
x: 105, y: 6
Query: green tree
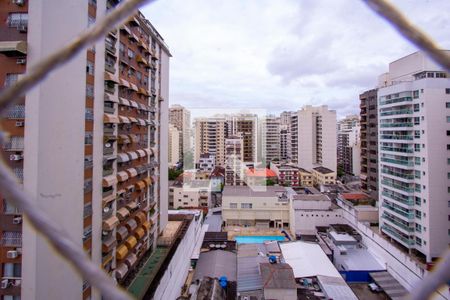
x: 173, y: 174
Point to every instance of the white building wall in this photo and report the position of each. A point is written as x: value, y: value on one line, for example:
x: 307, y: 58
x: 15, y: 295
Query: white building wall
x: 54, y: 144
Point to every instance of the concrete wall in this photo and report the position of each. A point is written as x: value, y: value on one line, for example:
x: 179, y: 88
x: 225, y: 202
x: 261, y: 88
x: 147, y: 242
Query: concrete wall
x: 54, y: 147
x: 280, y: 294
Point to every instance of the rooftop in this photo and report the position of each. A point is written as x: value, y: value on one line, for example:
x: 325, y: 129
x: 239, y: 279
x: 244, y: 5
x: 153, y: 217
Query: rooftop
x: 215, y: 264
x: 310, y: 197
x: 260, y: 173
x: 355, y: 196
x: 214, y: 222
x: 277, y: 276
x: 323, y: 170
x: 246, y: 191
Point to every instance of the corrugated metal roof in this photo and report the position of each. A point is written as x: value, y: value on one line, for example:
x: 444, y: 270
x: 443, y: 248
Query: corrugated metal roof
x: 214, y: 222
x: 389, y: 284
x: 249, y: 277
x: 336, y: 288
x: 215, y: 264
x: 277, y: 276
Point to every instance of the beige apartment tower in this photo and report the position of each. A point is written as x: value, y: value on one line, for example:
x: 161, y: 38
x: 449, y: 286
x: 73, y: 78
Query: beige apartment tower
x: 210, y: 134
x: 180, y: 118
x: 96, y: 147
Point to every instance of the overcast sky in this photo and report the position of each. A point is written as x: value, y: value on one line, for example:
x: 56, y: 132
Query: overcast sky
x: 282, y: 54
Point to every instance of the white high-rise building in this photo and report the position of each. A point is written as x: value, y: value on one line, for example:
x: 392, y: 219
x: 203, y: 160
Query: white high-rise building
x: 414, y: 160
x: 174, y: 145
x: 180, y: 117
x: 271, y: 138
x: 315, y: 137
x: 349, y: 145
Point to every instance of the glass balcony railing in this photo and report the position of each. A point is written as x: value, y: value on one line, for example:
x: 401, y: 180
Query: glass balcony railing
x: 397, y: 174
x: 398, y: 161
x: 398, y: 186
x: 399, y: 198
x: 396, y: 112
x: 396, y: 100
x: 398, y: 223
x: 404, y: 124
x: 396, y: 137
x: 396, y: 149
x: 399, y: 211
x: 390, y: 231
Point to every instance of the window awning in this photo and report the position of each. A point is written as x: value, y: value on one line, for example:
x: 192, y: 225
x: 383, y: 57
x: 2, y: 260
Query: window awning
x: 133, y: 119
x: 139, y: 233
x: 112, y: 119
x: 132, y: 205
x: 108, y: 199
x: 109, y: 181
x: 135, y: 105
x: 125, y: 29
x: 146, y: 225
x: 124, y: 120
x: 111, y: 77
x: 122, y: 157
x: 111, y: 98
x: 131, y: 225
x: 140, y: 217
x: 140, y: 185
x: 109, y: 137
x: 124, y: 102
x: 142, y: 106
x: 13, y: 48
x: 121, y: 252
x: 133, y: 155
x: 141, y: 153
x: 110, y: 223
x: 142, y: 122
x: 130, y: 188
x: 124, y: 83
x: 130, y: 242
x: 121, y: 233
x: 149, y: 152
x: 122, y: 176
x: 143, y: 92
x: 122, y: 213
x: 121, y: 271
x: 131, y: 172
x: 131, y: 260
x: 134, y: 138
x: 133, y: 87
x: 124, y: 139
x: 148, y: 181
x: 108, y: 244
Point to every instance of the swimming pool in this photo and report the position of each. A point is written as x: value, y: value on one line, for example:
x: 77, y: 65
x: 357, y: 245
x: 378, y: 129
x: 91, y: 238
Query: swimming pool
x: 257, y: 239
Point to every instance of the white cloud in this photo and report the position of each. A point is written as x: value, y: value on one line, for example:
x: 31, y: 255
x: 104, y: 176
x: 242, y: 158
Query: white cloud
x: 280, y: 55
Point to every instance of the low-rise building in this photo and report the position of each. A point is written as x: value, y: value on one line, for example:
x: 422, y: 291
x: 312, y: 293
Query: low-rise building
x: 260, y: 177
x: 323, y: 176
x: 307, y: 211
x: 358, y: 207
x: 194, y: 193
x: 292, y: 175
x: 265, y: 208
x: 279, y: 281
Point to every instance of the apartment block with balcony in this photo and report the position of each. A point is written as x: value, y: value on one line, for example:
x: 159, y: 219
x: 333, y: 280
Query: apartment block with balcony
x: 234, y: 160
x: 180, y: 118
x: 114, y: 141
x: 271, y: 139
x: 246, y: 126
x: 349, y: 145
x: 369, y: 142
x: 210, y: 135
x: 414, y: 169
x: 13, y: 60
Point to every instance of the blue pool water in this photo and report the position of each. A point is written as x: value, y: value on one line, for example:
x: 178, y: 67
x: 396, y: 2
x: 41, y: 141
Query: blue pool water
x: 257, y: 239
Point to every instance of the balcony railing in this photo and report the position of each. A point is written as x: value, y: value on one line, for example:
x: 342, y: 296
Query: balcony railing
x: 396, y: 137
x: 405, y: 200
x: 397, y: 210
x: 398, y: 186
x: 396, y: 100
x: 397, y: 235
x: 409, y: 163
x: 398, y: 174
x: 395, y: 149
x: 398, y: 223
x: 403, y: 124
x: 396, y: 112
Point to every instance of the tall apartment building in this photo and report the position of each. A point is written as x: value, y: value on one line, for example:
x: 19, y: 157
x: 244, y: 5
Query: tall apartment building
x: 13, y: 58
x: 369, y: 142
x: 314, y: 129
x: 348, y: 145
x: 271, y: 138
x: 234, y: 164
x: 99, y: 170
x: 210, y: 134
x: 414, y: 161
x: 180, y: 117
x: 246, y: 125
x: 174, y: 145
x: 285, y: 143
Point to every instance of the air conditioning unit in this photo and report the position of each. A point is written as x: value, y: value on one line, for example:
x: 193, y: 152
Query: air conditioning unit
x: 19, y: 250
x: 21, y: 61
x: 4, y: 284
x: 17, y: 220
x: 23, y: 28
x: 20, y: 123
x: 15, y: 157
x: 12, y: 254
x: 17, y: 282
x: 19, y: 2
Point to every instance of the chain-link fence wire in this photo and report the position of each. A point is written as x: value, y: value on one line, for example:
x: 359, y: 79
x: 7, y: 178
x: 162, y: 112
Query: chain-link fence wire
x: 74, y: 254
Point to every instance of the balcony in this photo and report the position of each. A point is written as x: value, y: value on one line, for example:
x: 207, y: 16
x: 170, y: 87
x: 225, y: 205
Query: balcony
x: 398, y: 223
x: 399, y: 124
x: 396, y: 137
x: 396, y: 112
x: 398, y: 174
x: 402, y: 199
x: 108, y: 151
x: 395, y: 100
x: 396, y: 149
x: 402, y: 162
x: 109, y: 66
x: 408, y: 215
x: 398, y: 186
x: 386, y: 229
x: 107, y: 172
x: 109, y: 110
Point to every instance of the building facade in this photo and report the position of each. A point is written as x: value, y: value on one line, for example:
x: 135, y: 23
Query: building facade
x: 348, y: 145
x: 414, y: 165
x: 246, y: 126
x: 13, y: 60
x: 174, y: 145
x: 210, y: 134
x: 369, y: 142
x: 234, y: 164
x: 115, y: 133
x: 180, y: 118
x: 271, y: 139
x: 206, y: 163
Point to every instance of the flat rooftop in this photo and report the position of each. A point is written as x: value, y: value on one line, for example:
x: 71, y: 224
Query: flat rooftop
x: 246, y: 191
x: 323, y: 170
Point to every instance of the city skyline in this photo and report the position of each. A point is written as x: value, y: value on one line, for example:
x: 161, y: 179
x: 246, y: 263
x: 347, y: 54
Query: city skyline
x: 253, y: 52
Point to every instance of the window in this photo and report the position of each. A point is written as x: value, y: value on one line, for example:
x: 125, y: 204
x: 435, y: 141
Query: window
x: 8, y: 208
x: 12, y: 270
x: 16, y: 112
x: 417, y: 134
x: 122, y: 48
x: 130, y: 53
x: 17, y: 19
x: 246, y: 205
x: 89, y: 115
x: 448, y: 147
x: 447, y: 104
x: 89, y: 90
x: 87, y: 210
x: 11, y: 78
x: 139, y: 76
x: 418, y: 228
x: 448, y: 132
x: 447, y: 91
x: 418, y: 201
x: 418, y: 241
x: 417, y: 160
x: 416, y: 94
x: 416, y: 107
x: 417, y: 147
x: 90, y: 67
x: 448, y: 119
x: 233, y: 205
x: 448, y: 161
x: 88, y: 136
x: 418, y: 214
x: 416, y: 121
x: 417, y: 174
x: 11, y: 239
